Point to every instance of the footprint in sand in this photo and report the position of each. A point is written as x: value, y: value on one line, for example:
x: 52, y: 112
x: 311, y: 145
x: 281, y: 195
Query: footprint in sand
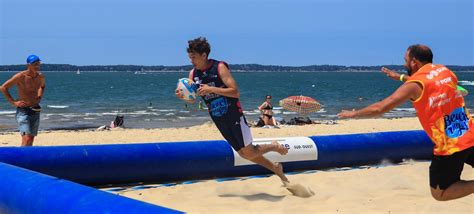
x: 298, y: 190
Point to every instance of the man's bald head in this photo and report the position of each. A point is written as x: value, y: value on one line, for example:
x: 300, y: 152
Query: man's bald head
x: 420, y: 52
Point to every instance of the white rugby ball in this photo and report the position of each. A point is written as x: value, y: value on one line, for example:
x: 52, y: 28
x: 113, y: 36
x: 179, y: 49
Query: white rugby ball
x: 187, y: 88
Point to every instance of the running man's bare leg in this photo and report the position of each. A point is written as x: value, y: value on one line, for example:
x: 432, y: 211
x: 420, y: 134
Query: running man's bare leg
x: 455, y: 191
x: 252, y: 151
x: 276, y: 168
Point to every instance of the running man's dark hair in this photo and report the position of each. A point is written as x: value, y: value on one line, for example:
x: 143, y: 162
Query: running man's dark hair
x: 420, y: 52
x: 199, y: 45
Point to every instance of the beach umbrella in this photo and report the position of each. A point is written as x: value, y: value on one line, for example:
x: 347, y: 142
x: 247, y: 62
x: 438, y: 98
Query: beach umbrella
x: 300, y: 104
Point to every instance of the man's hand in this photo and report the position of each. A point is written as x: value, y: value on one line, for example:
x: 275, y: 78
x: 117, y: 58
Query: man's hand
x: 205, y: 89
x: 392, y: 74
x: 20, y: 103
x: 344, y: 114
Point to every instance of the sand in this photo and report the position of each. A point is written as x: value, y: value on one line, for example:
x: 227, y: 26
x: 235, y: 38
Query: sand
x: 401, y: 188
x: 389, y: 189
x: 206, y: 132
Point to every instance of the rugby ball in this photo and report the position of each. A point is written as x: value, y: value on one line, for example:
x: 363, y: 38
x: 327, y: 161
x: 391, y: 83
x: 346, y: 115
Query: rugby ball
x: 187, y: 88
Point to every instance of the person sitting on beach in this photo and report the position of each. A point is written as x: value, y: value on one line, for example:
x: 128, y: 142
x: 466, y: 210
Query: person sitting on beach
x: 220, y: 93
x: 118, y: 122
x: 443, y: 115
x: 267, y: 111
x: 30, y: 84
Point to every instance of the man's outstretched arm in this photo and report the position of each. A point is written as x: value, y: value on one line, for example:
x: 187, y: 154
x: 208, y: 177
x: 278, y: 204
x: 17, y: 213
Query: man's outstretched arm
x: 403, y: 93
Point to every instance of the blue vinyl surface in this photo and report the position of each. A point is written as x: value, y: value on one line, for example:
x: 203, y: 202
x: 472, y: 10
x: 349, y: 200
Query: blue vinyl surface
x: 178, y: 161
x: 25, y: 191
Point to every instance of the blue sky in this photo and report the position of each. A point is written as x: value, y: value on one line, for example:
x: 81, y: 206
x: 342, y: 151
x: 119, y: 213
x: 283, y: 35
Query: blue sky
x: 278, y: 32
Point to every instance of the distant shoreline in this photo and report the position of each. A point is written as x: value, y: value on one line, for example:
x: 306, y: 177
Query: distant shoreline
x: 234, y: 67
x: 234, y: 71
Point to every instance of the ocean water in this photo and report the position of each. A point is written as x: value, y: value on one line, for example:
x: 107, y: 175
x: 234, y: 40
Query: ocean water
x: 92, y: 99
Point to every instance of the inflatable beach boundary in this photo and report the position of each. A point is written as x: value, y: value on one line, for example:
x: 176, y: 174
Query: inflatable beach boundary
x: 101, y: 165
x: 25, y: 191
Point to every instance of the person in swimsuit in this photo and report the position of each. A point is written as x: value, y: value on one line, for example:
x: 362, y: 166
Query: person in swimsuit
x: 220, y: 93
x: 30, y: 84
x: 267, y: 114
x: 443, y: 115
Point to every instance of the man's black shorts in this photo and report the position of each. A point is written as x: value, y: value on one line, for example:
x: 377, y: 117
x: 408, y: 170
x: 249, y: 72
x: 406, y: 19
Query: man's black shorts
x: 236, y: 132
x: 446, y: 170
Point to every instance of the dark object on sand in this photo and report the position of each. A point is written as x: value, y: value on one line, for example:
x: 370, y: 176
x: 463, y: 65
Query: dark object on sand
x: 260, y: 122
x: 298, y: 121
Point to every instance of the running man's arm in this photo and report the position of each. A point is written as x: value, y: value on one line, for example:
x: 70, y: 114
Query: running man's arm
x: 8, y: 84
x: 231, y: 90
x: 407, y: 91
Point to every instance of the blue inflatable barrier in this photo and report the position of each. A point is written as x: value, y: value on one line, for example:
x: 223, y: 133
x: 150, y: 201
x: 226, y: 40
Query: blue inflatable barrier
x: 24, y: 191
x: 177, y: 161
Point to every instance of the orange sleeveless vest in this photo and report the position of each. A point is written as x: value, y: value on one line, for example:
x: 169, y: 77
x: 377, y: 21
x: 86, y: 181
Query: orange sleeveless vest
x: 441, y: 110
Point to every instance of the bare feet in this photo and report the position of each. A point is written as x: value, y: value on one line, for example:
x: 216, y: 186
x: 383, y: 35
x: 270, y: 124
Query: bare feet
x: 280, y: 148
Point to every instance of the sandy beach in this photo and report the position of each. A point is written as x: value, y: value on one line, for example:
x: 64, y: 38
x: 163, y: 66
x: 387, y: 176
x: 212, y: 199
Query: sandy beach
x: 207, y: 131
x: 391, y: 189
x: 401, y: 188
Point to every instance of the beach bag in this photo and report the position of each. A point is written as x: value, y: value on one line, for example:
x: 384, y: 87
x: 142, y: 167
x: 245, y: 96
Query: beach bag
x: 300, y: 121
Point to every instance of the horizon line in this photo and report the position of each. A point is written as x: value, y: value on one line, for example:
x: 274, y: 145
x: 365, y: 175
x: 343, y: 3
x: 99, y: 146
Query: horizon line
x: 238, y: 64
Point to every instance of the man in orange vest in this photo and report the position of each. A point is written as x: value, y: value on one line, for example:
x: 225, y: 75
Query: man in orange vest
x: 442, y: 113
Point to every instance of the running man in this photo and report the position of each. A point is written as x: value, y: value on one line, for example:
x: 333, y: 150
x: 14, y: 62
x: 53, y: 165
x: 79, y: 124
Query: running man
x: 30, y: 84
x: 443, y: 115
x: 220, y: 93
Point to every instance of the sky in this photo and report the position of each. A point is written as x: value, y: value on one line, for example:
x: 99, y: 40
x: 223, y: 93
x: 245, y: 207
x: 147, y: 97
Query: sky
x: 268, y: 32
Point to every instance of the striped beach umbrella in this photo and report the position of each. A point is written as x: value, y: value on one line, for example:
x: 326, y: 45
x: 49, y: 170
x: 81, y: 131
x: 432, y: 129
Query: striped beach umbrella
x: 300, y: 104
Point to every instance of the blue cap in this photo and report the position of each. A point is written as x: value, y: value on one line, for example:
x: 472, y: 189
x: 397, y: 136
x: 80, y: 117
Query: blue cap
x: 32, y: 58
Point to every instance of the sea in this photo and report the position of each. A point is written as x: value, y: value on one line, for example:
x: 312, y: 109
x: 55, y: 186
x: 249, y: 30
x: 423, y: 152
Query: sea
x: 88, y: 100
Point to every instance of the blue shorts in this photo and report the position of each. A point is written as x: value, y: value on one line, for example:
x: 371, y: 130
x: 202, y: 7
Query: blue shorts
x: 28, y: 121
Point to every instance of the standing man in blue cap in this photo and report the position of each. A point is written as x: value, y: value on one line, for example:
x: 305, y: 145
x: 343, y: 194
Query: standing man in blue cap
x: 30, y: 84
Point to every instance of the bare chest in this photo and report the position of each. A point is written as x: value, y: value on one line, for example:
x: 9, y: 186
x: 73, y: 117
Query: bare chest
x: 29, y: 83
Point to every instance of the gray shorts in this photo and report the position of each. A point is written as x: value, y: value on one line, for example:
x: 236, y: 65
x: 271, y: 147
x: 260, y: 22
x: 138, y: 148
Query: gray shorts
x: 28, y: 121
